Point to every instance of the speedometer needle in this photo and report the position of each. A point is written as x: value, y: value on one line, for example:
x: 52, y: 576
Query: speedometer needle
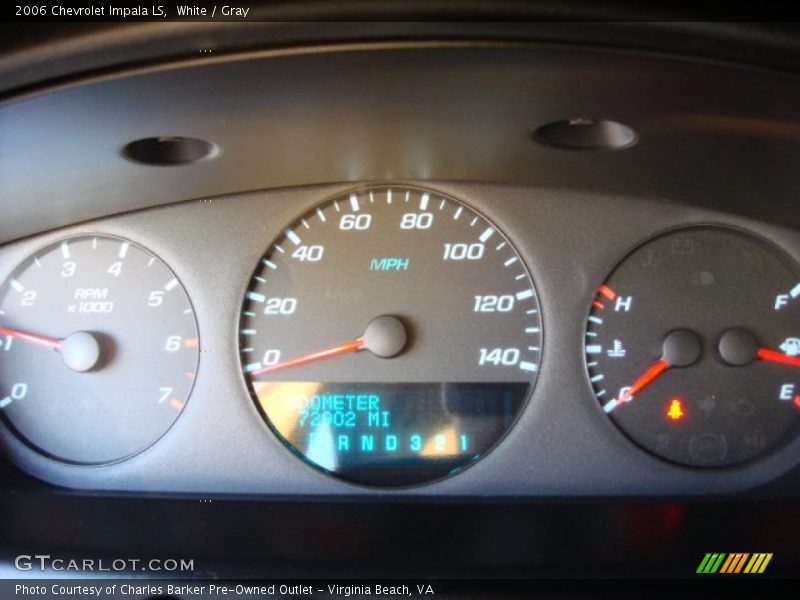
x: 30, y: 337
x: 384, y: 336
x: 332, y: 352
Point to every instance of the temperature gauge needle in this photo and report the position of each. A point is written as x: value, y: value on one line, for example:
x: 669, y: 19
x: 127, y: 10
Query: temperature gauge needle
x: 645, y: 379
x: 385, y: 336
x: 778, y: 357
x: 681, y: 348
x: 30, y: 337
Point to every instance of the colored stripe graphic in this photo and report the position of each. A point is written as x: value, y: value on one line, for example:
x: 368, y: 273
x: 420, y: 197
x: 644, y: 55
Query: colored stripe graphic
x: 734, y: 562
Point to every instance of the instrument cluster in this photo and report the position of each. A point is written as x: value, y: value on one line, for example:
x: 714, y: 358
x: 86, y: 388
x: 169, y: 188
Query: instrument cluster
x: 359, y: 338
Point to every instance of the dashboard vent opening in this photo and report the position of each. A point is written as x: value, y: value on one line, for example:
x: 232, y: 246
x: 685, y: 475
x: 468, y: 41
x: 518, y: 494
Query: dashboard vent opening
x: 586, y: 134
x: 169, y: 151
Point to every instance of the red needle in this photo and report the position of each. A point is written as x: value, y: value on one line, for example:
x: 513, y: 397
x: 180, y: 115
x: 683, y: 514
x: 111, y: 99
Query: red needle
x: 333, y: 351
x: 779, y: 357
x: 645, y: 379
x: 30, y: 337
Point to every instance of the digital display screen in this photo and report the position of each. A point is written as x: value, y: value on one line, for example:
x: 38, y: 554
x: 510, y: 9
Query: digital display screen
x: 390, y: 434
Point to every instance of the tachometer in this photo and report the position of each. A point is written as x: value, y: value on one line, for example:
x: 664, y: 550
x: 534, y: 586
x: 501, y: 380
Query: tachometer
x: 98, y: 349
x: 391, y: 336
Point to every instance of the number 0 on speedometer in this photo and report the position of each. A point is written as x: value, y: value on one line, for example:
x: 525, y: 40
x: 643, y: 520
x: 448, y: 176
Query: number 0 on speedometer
x: 391, y: 336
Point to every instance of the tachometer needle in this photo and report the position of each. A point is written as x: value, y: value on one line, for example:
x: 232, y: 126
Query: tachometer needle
x: 30, y: 337
x: 645, y: 379
x: 385, y: 336
x: 778, y: 357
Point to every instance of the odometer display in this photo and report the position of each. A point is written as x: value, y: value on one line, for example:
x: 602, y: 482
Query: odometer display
x: 391, y: 336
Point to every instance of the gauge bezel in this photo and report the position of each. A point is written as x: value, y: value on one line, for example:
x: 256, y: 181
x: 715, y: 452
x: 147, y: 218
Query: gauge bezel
x: 21, y: 266
x: 778, y: 252
x: 310, y: 209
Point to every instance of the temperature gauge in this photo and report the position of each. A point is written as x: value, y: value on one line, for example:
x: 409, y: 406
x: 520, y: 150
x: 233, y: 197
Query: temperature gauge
x: 693, y: 346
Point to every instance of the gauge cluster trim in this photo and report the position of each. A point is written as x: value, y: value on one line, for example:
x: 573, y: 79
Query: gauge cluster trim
x: 562, y: 444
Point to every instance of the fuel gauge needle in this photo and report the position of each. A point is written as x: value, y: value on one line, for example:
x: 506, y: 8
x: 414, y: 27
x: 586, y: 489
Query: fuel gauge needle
x: 30, y: 337
x: 384, y: 336
x: 778, y: 357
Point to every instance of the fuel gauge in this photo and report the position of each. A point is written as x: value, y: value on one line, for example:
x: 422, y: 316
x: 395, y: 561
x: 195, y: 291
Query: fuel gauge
x: 693, y: 346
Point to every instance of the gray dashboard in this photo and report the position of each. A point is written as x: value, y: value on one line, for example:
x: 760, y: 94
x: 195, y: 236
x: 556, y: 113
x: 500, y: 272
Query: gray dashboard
x: 717, y: 143
x: 561, y: 445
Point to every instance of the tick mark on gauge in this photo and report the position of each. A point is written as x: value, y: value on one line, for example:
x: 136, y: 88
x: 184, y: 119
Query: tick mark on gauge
x: 17, y: 286
x: 123, y: 249
x: 423, y: 202
x: 259, y: 279
x: 472, y: 223
x: 500, y: 246
x: 524, y: 294
x: 354, y: 202
x: 269, y: 263
x: 248, y: 332
x: 594, y: 349
x: 458, y: 213
x: 171, y: 284
x: 321, y: 215
x: 795, y: 291
x: 510, y: 262
x: 528, y: 366
x: 37, y: 262
x: 442, y: 204
x: 281, y: 250
x: 65, y: 250
x: 256, y: 297
x: 293, y: 237
x: 151, y: 261
x: 305, y: 224
x: 486, y: 234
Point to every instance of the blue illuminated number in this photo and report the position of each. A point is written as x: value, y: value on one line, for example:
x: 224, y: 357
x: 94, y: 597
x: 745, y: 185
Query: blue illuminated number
x: 358, y: 222
x: 463, y: 251
x: 416, y: 221
x: 416, y: 443
x: 508, y: 357
x: 492, y: 303
x: 271, y: 357
x: 309, y: 253
x: 280, y: 306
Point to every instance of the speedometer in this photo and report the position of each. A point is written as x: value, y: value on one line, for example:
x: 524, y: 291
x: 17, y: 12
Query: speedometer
x: 391, y: 336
